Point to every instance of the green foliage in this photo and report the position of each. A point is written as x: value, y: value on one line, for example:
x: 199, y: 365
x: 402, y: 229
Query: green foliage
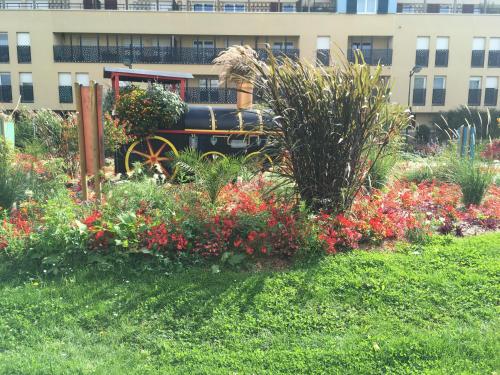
x: 380, y: 171
x: 50, y: 134
x: 473, y: 178
x: 210, y: 176
x: 484, y: 121
x: 430, y: 310
x: 327, y: 121
x: 115, y: 135
x: 13, y: 181
x: 143, y: 111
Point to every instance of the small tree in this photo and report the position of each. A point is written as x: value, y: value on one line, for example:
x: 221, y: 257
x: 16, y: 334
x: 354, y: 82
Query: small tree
x: 331, y: 124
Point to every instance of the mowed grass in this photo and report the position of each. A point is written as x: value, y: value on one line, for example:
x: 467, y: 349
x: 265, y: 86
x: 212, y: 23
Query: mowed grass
x: 431, y: 311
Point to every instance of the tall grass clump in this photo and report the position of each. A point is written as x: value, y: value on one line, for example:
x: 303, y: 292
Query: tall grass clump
x: 327, y: 124
x: 13, y: 182
x: 474, y: 180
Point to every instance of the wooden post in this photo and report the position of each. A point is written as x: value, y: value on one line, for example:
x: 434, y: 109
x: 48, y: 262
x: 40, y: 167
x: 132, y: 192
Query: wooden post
x: 81, y: 142
x: 96, y: 157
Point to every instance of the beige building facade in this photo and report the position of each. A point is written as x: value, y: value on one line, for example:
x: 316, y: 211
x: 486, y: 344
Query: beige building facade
x: 43, y: 51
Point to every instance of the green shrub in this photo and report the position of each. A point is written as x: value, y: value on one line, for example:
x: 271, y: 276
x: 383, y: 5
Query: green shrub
x: 13, y: 181
x: 143, y: 111
x: 474, y: 180
x: 380, y: 170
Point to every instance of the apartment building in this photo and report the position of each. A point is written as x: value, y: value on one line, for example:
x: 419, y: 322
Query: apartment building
x: 438, y: 54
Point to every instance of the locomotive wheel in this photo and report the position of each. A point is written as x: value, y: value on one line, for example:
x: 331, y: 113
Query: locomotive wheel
x: 154, y: 151
x: 212, y: 155
x: 260, y: 160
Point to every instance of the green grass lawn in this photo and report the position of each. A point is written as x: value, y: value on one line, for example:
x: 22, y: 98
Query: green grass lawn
x: 430, y: 311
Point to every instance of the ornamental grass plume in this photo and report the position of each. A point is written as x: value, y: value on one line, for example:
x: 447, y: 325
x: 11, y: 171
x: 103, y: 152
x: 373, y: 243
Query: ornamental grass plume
x: 236, y: 63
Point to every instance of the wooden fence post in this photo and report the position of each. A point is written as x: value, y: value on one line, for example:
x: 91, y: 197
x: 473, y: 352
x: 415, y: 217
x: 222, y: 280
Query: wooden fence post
x: 95, y: 140
x: 81, y: 142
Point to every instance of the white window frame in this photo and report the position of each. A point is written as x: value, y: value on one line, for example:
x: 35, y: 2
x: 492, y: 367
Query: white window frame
x: 23, y: 39
x: 475, y: 79
x: 442, y: 43
x: 64, y: 79
x: 494, y: 44
x: 4, y: 42
x: 323, y: 42
x: 86, y: 78
x: 25, y: 78
x: 5, y: 74
x: 491, y: 83
x: 416, y: 79
x: 478, y: 43
x: 443, y: 80
x: 203, y: 7
x: 364, y: 6
x: 234, y: 8
x: 423, y: 42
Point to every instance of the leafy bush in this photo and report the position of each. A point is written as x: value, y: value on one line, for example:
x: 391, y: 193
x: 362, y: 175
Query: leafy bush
x: 13, y: 181
x: 473, y: 179
x: 50, y: 134
x: 492, y: 150
x: 328, y: 122
x: 143, y: 111
x: 115, y: 135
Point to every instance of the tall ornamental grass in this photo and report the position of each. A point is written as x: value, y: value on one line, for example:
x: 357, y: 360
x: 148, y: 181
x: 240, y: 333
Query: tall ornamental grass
x: 474, y: 180
x: 330, y: 124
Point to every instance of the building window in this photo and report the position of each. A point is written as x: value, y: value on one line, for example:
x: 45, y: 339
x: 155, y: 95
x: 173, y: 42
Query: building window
x: 65, y: 88
x: 234, y: 8
x: 23, y: 48
x: 442, y: 51
x: 474, y: 91
x: 419, y: 90
x: 366, y: 6
x: 439, y: 90
x: 491, y: 92
x: 5, y: 88
x: 203, y: 7
x: 323, y: 50
x: 422, y: 53
x: 203, y: 44
x: 477, y: 58
x: 494, y: 53
x: 282, y: 46
x: 83, y: 79
x: 26, y: 87
x: 408, y: 8
x: 288, y: 8
x: 4, y: 48
x: 445, y: 8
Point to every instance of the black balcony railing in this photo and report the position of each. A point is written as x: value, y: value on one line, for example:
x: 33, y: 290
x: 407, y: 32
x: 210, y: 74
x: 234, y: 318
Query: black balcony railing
x: 5, y: 93
x: 65, y: 94
x: 4, y: 54
x: 438, y: 96
x: 210, y: 95
x: 23, y: 54
x: 419, y: 96
x: 27, y: 95
x: 477, y: 59
x: 148, y: 55
x: 474, y: 97
x: 373, y: 56
x: 494, y: 59
x: 490, y: 97
x: 441, y: 58
x: 323, y: 56
x: 422, y: 57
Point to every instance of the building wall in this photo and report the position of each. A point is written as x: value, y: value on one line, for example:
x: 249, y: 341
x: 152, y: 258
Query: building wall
x: 47, y: 28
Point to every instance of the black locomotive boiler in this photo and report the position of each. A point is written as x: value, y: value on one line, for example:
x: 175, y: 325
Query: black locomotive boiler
x: 212, y: 131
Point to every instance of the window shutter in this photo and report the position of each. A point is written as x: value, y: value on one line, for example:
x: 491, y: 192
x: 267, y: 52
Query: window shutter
x: 352, y: 6
x: 383, y: 6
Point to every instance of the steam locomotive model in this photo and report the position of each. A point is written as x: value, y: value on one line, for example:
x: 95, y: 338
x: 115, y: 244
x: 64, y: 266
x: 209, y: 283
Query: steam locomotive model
x: 213, y: 131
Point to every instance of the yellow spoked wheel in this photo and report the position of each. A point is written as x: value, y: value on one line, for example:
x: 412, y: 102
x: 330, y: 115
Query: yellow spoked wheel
x: 155, y: 152
x: 259, y: 161
x: 212, y: 155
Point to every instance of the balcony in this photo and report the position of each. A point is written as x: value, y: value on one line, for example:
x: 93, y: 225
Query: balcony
x: 419, y: 97
x: 148, y: 55
x: 422, y: 57
x: 65, y: 94
x: 24, y: 54
x: 477, y: 59
x: 490, y: 97
x: 438, y: 96
x: 494, y: 59
x: 323, y: 57
x: 203, y: 95
x: 27, y: 95
x: 4, y: 54
x: 474, y: 97
x: 5, y: 93
x: 373, y: 56
x: 441, y: 58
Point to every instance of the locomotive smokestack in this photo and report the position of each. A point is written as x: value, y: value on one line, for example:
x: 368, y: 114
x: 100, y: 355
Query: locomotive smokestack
x: 244, y: 95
